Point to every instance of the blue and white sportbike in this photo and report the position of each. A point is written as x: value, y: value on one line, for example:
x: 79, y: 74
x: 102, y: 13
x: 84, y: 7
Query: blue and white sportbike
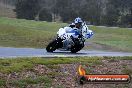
x: 69, y: 39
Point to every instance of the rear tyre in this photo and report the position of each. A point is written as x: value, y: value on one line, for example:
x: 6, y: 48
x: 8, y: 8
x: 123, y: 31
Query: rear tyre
x: 77, y: 48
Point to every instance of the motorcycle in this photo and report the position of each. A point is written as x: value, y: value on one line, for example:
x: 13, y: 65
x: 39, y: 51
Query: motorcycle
x: 69, y: 39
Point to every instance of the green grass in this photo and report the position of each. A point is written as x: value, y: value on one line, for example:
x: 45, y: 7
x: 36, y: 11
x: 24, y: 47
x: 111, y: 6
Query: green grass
x: 27, y: 81
x: 8, y: 66
x: 24, y: 33
x: 31, y: 24
x: 21, y: 83
x: 29, y: 33
x: 116, y: 38
x: 127, y: 70
x: 19, y: 64
x: 2, y: 82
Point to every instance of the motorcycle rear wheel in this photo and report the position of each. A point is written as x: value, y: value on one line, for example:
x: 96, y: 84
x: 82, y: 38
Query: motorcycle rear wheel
x: 76, y: 48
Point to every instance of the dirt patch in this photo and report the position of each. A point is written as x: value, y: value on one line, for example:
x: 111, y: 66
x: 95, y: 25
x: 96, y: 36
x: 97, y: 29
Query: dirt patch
x: 70, y: 80
x: 66, y: 75
x: 98, y: 46
x: 7, y: 10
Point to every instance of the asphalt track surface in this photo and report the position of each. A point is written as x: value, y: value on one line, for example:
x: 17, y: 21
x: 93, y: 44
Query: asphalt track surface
x: 9, y: 52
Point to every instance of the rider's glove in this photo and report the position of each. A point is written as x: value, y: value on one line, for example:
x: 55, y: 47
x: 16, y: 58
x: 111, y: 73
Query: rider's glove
x: 89, y: 35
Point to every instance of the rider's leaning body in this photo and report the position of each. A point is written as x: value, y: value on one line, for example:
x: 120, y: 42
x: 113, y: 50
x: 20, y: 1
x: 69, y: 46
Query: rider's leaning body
x: 77, y: 26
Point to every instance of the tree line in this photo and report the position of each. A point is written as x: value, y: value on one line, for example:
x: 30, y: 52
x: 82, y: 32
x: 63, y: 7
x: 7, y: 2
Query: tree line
x: 95, y: 12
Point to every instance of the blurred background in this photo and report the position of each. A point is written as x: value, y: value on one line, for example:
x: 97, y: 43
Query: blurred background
x: 95, y: 12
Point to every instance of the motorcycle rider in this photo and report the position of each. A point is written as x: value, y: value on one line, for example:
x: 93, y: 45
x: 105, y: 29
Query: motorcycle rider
x: 71, y: 38
x: 78, y: 22
x: 78, y: 26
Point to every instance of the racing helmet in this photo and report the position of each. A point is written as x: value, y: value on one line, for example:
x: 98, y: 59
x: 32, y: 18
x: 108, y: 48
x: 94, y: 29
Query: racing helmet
x: 78, y: 20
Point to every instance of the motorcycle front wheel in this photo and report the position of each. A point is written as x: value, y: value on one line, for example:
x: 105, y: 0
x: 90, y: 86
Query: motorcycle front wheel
x: 53, y: 45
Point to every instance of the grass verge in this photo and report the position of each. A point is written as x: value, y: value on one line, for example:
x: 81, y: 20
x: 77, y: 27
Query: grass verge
x: 49, y: 72
x: 19, y: 64
x: 28, y: 81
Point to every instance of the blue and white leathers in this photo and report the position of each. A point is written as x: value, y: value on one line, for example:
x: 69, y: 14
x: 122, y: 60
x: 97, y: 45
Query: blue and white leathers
x: 86, y: 32
x: 66, y: 32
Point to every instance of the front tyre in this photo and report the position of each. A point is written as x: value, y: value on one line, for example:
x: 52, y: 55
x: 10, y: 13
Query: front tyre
x: 53, y: 45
